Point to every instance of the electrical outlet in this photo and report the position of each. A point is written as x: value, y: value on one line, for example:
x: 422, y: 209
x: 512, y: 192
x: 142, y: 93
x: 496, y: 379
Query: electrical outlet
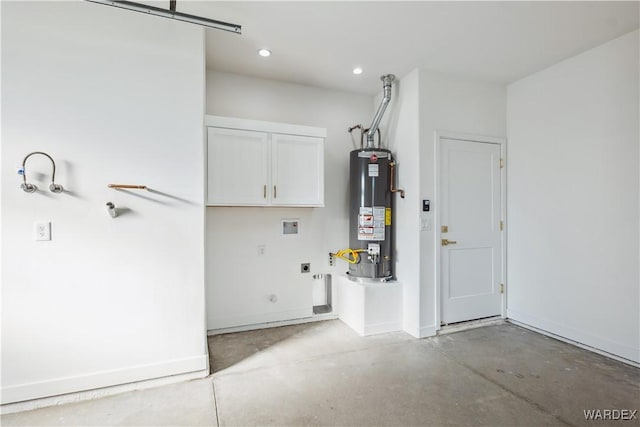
x: 331, y: 259
x: 262, y: 249
x: 42, y: 230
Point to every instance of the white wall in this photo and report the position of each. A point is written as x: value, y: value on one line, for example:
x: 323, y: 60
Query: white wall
x: 114, y: 97
x: 449, y: 103
x: 232, y: 249
x: 573, y: 187
x: 428, y: 101
x: 400, y: 130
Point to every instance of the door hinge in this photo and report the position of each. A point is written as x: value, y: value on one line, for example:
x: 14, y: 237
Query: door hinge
x: 501, y: 163
x: 501, y: 225
x: 502, y: 288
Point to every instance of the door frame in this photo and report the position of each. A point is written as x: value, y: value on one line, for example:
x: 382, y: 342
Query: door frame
x: 439, y: 135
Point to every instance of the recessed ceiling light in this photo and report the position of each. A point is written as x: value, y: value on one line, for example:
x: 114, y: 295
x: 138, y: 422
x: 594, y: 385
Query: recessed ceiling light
x: 357, y: 70
x: 264, y: 52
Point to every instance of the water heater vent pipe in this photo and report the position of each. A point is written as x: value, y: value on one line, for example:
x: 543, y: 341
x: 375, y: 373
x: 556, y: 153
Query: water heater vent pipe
x: 387, y: 80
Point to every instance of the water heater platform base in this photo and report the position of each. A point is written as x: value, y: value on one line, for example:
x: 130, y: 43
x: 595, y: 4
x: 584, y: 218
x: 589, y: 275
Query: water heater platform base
x: 370, y: 308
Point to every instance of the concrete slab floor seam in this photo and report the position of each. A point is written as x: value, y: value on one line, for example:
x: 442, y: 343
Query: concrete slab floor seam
x: 215, y: 401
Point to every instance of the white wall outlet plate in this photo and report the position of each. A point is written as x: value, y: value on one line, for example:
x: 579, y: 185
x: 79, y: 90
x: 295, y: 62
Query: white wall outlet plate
x: 425, y: 223
x: 42, y: 230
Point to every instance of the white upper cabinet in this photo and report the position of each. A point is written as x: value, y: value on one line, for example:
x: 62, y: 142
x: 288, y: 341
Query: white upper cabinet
x: 254, y: 163
x: 237, y: 167
x: 297, y: 170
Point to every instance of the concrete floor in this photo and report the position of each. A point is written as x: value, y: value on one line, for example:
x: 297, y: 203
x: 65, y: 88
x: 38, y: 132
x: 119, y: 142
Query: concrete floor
x: 324, y: 374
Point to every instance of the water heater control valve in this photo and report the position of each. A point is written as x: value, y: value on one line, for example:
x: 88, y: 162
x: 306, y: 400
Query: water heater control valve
x: 373, y: 249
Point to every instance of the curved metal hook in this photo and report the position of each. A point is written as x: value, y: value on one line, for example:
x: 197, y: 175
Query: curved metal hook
x: 30, y: 188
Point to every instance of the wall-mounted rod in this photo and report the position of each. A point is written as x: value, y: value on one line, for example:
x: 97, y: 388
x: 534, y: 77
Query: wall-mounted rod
x: 387, y: 80
x: 127, y: 186
x: 172, y: 14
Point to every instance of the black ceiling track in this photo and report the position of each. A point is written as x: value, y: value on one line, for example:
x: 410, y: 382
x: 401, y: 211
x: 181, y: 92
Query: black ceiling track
x: 171, y: 13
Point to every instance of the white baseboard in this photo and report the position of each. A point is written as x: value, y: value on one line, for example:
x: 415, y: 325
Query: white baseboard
x: 421, y: 332
x: 414, y: 332
x: 428, y: 331
x: 314, y: 318
x: 221, y: 323
x: 82, y: 387
x: 380, y: 328
x: 582, y: 339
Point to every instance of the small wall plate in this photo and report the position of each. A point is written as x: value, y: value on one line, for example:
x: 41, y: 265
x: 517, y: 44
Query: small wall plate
x: 290, y: 227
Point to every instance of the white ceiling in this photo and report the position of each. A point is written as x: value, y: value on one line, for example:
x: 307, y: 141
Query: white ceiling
x: 319, y: 43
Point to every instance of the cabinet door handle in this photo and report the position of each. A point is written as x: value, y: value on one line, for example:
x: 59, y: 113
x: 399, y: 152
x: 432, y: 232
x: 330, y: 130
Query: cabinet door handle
x: 275, y: 192
x: 264, y: 191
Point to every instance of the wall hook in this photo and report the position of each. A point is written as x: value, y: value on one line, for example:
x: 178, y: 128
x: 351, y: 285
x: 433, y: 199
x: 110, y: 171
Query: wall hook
x: 30, y: 188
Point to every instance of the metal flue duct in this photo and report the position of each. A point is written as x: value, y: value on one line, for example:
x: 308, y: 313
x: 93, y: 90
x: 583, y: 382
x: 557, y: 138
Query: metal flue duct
x: 387, y: 80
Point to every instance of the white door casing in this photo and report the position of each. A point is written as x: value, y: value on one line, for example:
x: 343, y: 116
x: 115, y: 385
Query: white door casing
x: 470, y: 207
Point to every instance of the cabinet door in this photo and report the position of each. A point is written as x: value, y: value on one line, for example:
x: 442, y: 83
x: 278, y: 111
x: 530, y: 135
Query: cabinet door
x: 237, y: 167
x: 297, y: 170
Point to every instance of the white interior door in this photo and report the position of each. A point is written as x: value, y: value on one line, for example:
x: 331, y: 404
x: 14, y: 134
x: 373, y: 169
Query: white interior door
x: 471, y: 244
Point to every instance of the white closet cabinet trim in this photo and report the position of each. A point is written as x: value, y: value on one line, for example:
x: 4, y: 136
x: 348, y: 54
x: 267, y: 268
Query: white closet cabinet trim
x: 261, y: 126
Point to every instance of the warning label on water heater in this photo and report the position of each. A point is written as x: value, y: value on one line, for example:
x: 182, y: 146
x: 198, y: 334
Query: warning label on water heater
x: 371, y: 222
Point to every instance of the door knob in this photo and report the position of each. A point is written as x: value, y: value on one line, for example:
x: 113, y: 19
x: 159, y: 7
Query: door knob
x: 446, y: 242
